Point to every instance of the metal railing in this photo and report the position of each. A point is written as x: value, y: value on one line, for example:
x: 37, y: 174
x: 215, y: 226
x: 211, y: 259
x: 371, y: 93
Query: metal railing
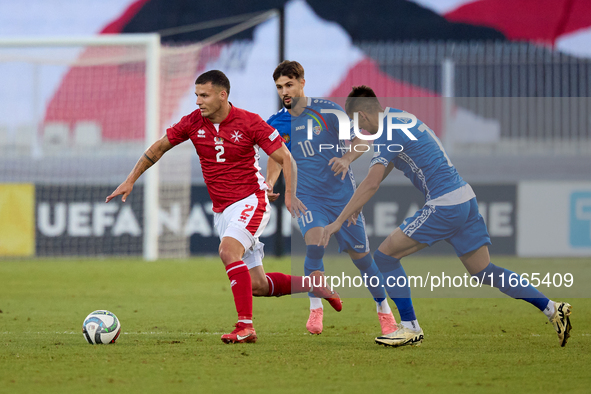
x: 539, y: 97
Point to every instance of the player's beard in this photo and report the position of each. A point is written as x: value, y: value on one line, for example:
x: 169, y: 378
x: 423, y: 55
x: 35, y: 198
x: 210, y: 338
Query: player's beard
x: 210, y: 110
x: 288, y: 106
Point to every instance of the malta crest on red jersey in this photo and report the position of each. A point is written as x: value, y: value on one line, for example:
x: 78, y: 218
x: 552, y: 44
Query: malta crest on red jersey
x: 236, y: 136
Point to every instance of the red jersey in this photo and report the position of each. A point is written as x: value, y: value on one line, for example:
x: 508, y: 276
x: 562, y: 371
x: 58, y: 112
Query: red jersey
x: 228, y: 157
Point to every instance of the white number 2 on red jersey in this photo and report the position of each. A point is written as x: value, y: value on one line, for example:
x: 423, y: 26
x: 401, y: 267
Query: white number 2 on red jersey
x: 218, y: 155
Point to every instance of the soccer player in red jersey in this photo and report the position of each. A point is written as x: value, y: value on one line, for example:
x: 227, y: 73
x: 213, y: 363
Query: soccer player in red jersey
x: 227, y: 140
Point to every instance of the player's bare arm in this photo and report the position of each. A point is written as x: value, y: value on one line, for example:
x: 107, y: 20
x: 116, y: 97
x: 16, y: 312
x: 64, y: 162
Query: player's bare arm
x: 290, y: 171
x: 147, y: 160
x: 362, y: 195
x: 388, y: 170
x: 353, y: 218
x: 273, y: 172
x: 340, y: 165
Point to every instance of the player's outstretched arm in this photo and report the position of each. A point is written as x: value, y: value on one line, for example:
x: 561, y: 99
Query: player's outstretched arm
x: 147, y: 160
x: 290, y: 171
x: 364, y: 192
x: 353, y: 218
x: 388, y: 170
x: 273, y: 172
x: 340, y: 165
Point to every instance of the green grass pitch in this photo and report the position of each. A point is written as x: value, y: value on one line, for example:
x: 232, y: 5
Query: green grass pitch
x: 173, y: 313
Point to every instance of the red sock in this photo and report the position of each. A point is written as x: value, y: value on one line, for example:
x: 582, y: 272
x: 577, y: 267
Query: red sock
x: 282, y: 284
x: 242, y: 289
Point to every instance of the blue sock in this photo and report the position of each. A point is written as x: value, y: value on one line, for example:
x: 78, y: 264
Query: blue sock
x: 313, y: 261
x: 392, y: 269
x: 368, y: 267
x: 500, y: 280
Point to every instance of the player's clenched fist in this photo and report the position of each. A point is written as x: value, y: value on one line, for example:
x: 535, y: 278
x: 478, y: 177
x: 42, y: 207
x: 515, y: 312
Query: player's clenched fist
x: 123, y: 189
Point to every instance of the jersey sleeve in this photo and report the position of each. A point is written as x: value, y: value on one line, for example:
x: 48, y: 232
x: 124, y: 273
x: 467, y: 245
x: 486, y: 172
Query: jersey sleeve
x: 379, y: 158
x: 275, y: 125
x: 386, y: 150
x: 179, y: 132
x: 265, y: 136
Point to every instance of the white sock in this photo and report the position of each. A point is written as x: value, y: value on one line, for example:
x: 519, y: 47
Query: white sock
x: 411, y: 325
x: 383, y: 307
x: 549, y: 310
x: 315, y: 302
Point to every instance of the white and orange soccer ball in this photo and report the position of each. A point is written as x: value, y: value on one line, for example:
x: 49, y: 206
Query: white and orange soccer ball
x: 101, y: 327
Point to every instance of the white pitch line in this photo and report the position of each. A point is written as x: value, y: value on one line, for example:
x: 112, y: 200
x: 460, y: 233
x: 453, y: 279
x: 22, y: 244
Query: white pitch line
x: 131, y: 333
x: 220, y: 333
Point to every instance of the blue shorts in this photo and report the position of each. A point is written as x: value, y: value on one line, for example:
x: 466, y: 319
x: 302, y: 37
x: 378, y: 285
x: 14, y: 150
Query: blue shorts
x: 319, y: 215
x: 461, y: 225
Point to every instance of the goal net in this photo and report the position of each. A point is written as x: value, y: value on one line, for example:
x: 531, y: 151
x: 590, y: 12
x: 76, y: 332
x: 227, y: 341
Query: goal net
x: 77, y: 114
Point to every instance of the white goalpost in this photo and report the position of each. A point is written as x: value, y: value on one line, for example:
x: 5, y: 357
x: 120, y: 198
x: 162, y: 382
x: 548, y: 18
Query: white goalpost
x: 77, y: 113
x: 146, y: 50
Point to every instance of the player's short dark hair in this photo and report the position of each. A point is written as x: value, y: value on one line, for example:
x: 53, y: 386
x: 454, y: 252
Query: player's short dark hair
x: 216, y: 77
x: 290, y: 69
x: 362, y: 98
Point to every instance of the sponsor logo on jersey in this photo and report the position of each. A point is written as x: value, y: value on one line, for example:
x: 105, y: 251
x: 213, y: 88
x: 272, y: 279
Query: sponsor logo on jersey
x: 201, y: 133
x: 236, y: 136
x: 218, y: 140
x: 302, y: 127
x: 319, y: 122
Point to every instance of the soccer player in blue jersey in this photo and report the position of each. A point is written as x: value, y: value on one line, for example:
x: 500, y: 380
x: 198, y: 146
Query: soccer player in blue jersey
x: 450, y: 213
x: 325, y: 185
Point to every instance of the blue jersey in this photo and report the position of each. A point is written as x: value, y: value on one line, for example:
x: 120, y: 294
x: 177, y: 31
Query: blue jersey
x: 423, y: 161
x: 315, y: 178
x: 281, y: 120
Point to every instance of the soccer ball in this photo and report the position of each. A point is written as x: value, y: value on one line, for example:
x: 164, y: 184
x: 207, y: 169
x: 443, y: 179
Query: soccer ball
x: 101, y: 327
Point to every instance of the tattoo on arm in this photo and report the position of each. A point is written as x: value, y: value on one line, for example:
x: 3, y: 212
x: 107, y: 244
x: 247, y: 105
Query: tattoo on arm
x: 149, y: 159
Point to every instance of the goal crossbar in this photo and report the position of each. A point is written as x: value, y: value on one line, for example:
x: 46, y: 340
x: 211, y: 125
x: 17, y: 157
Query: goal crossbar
x: 151, y: 42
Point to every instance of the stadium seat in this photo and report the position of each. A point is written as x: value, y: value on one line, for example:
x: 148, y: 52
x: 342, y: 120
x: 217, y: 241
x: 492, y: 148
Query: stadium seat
x: 24, y: 138
x: 56, y: 135
x: 87, y: 134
